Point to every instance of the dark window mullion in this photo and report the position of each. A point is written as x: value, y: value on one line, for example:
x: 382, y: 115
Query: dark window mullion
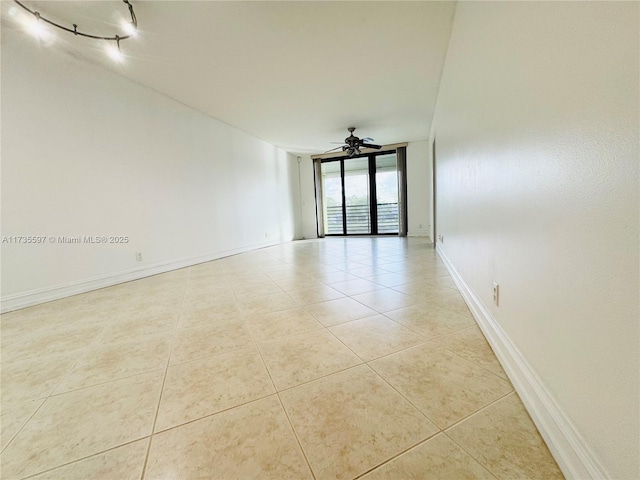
x: 373, y: 197
x: 344, y: 200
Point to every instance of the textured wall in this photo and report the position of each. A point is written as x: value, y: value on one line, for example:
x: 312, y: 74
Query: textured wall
x: 537, y: 147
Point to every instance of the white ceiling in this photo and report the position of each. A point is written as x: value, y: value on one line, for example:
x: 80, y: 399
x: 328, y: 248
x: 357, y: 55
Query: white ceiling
x: 295, y: 74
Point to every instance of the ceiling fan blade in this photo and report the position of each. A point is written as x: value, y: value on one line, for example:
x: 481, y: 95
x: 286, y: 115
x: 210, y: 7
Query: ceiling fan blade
x: 333, y: 149
x: 371, y: 145
x: 367, y: 139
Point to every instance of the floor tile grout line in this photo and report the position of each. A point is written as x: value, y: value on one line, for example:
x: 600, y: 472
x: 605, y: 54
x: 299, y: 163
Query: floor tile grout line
x: 478, y: 410
x: 164, y: 379
x: 479, y: 460
x: 306, y: 382
x: 323, y: 327
x: 413, y: 329
x: 382, y: 356
x: 78, y: 360
x: 284, y: 409
x: 486, y: 467
x: 25, y: 422
x: 399, y: 454
x: 289, y: 335
x: 403, y: 349
x: 295, y: 434
x: 440, y: 429
x: 51, y: 392
x: 238, y: 300
x: 264, y: 364
x: 212, y: 414
x: 480, y: 366
x: 87, y: 457
x: 457, y: 331
x: 348, y: 321
x: 342, y: 342
x: 85, y: 387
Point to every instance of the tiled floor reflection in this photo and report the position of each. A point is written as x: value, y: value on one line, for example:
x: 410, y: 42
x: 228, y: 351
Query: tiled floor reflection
x: 326, y: 359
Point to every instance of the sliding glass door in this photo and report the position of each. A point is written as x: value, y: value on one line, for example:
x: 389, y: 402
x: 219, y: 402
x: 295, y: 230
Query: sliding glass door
x: 387, y: 193
x: 360, y: 195
x: 332, y: 200
x: 356, y: 195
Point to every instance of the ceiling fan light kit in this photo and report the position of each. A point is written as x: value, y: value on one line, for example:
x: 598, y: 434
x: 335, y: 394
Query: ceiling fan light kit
x: 352, y: 144
x: 36, y: 26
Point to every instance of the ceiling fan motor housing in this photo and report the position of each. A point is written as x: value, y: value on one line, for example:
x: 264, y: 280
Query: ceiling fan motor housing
x: 352, y: 144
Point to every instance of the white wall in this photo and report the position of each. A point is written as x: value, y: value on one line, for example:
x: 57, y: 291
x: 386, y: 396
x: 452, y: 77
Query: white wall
x: 307, y: 187
x: 419, y: 191
x: 88, y: 152
x: 537, y: 149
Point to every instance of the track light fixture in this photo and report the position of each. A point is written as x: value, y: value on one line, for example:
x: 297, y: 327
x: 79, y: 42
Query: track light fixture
x: 113, y: 42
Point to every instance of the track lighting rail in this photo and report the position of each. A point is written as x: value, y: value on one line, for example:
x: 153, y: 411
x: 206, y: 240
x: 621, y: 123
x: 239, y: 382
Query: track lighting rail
x: 75, y: 31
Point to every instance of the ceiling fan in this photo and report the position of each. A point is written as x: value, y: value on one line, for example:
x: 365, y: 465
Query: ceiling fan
x: 352, y: 144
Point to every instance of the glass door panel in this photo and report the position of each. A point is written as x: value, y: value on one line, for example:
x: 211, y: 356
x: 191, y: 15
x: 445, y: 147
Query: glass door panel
x: 360, y: 195
x: 356, y: 193
x: 332, y: 198
x: 387, y: 193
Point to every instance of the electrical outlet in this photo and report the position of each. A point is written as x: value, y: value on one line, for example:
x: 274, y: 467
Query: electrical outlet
x: 441, y: 238
x: 496, y: 294
x: 138, y: 256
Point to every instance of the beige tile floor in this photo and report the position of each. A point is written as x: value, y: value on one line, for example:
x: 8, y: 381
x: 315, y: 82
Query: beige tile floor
x: 326, y: 359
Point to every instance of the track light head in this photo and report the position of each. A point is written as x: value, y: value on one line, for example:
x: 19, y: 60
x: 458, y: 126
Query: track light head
x: 36, y: 26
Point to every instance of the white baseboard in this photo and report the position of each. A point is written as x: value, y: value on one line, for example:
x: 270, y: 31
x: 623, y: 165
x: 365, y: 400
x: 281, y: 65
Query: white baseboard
x: 48, y: 294
x: 412, y: 234
x: 574, y: 456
